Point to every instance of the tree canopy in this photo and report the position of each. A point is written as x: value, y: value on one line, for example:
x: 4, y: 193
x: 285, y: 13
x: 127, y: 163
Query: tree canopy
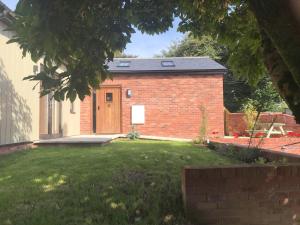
x: 82, y: 36
x: 264, y: 98
x: 204, y: 45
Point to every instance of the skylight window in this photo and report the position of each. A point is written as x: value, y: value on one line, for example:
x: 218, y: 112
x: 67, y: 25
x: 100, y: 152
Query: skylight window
x: 167, y: 63
x: 124, y: 64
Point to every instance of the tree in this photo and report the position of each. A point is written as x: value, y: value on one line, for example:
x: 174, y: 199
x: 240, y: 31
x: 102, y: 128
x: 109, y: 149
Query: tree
x: 264, y: 98
x: 124, y: 55
x: 204, y: 45
x: 235, y: 91
x: 258, y: 39
x: 83, y: 35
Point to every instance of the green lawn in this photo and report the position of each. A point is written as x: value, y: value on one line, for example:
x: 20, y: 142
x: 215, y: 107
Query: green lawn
x: 126, y: 182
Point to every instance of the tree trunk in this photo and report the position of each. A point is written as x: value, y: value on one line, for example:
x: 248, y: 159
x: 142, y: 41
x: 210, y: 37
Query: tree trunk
x: 281, y: 76
x: 281, y: 46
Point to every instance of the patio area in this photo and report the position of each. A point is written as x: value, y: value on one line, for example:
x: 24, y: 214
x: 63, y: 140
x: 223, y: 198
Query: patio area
x: 98, y: 139
x: 290, y: 145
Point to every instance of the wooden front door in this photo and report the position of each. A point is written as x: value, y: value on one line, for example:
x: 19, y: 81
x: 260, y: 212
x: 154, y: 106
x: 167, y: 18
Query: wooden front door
x: 108, y: 110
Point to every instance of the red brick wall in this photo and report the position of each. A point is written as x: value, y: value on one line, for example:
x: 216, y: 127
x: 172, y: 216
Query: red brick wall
x: 171, y: 104
x: 242, y: 195
x: 235, y: 122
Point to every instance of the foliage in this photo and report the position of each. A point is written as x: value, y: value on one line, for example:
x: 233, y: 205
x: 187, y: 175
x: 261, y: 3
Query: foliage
x: 235, y: 92
x: 265, y: 98
x: 234, y: 25
x: 133, y: 134
x: 250, y: 115
x: 202, y: 137
x: 205, y: 45
x: 119, y: 54
x: 262, y: 160
x: 203, y: 124
x: 124, y: 183
x: 82, y: 36
x: 256, y: 39
x: 247, y: 155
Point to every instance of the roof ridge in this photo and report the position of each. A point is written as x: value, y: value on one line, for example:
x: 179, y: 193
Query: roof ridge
x: 162, y: 58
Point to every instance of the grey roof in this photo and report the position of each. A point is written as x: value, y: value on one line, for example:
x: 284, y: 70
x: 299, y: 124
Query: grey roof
x: 6, y: 15
x: 154, y: 65
x: 3, y: 6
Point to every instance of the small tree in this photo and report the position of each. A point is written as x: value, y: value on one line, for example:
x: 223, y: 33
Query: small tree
x: 264, y: 98
x: 250, y: 115
x: 203, y: 126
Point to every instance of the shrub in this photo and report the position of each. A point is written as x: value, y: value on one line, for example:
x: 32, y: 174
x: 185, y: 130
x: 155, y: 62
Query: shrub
x: 248, y: 155
x: 250, y: 115
x: 203, y: 125
x: 133, y: 134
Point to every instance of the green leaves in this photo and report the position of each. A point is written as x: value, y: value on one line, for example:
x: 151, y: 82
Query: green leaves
x: 264, y: 98
x: 205, y: 45
x: 76, y: 39
x: 80, y: 37
x: 71, y: 95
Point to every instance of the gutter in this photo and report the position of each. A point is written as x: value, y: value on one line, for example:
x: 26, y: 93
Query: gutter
x: 179, y: 72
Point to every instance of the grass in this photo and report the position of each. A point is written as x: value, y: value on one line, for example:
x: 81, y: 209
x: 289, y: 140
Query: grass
x: 126, y: 182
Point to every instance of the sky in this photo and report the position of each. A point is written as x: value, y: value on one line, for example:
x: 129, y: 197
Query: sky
x: 142, y: 45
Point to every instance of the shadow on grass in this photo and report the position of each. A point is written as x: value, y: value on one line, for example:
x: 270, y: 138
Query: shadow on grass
x: 121, y: 183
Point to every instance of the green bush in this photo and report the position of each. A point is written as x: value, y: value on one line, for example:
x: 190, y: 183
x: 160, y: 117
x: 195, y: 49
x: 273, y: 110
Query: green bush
x: 250, y: 115
x: 250, y: 155
x: 201, y: 139
x: 133, y: 134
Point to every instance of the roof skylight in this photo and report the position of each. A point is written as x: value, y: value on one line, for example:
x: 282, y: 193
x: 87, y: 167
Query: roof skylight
x: 124, y: 64
x: 168, y: 63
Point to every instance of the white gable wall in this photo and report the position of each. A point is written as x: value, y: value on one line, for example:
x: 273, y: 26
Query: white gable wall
x: 19, y: 104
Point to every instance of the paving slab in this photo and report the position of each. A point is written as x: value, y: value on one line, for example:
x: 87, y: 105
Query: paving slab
x: 79, y: 140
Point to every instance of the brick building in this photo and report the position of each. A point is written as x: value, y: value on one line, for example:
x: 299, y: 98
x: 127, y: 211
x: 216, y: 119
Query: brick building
x: 169, y: 97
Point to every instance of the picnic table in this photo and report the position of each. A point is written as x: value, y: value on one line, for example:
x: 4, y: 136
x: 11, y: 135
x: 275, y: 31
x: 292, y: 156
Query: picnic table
x: 275, y: 128
x: 269, y: 129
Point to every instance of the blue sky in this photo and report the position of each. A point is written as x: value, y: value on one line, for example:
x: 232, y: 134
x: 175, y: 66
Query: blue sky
x: 142, y: 45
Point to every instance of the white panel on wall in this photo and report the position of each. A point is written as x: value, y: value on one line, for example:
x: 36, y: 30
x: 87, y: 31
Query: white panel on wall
x: 138, y: 114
